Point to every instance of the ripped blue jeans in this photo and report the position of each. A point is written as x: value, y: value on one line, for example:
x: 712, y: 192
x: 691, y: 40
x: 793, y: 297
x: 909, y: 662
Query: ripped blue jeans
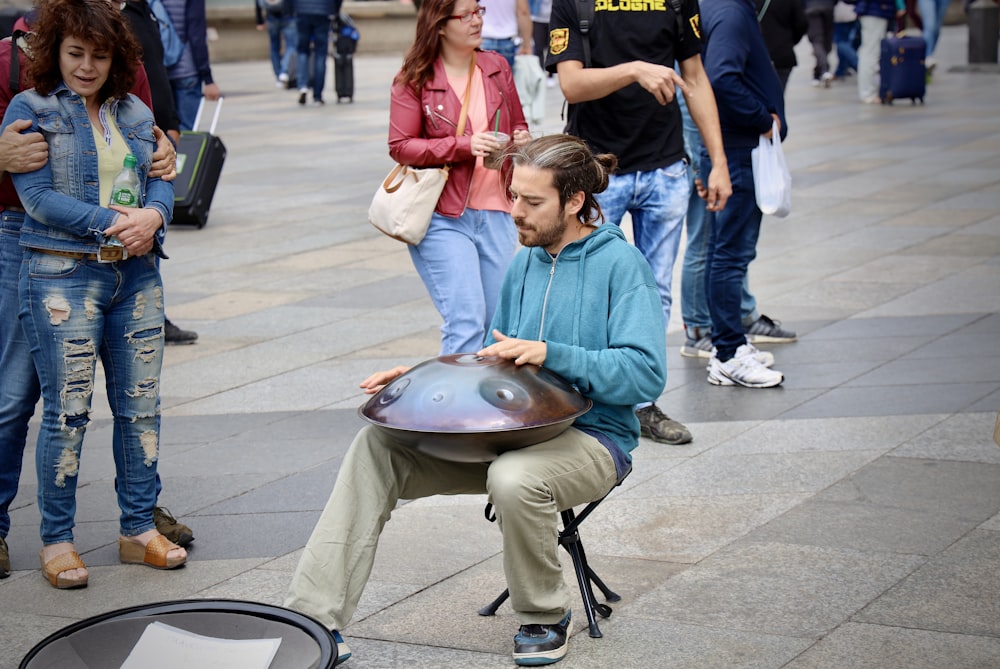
x: 74, y: 311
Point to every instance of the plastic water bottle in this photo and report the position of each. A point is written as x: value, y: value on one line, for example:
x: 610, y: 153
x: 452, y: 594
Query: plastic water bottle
x: 125, y: 188
x: 124, y: 193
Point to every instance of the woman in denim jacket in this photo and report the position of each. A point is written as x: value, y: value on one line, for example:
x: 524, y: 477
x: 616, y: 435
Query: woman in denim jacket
x: 471, y: 238
x: 77, y: 304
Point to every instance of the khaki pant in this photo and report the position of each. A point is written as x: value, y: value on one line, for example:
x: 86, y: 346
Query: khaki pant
x: 528, y: 487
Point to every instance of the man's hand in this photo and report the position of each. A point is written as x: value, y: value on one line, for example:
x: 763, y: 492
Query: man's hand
x: 212, y: 91
x: 164, y: 164
x: 521, y: 137
x: 378, y: 380
x: 770, y: 132
x: 521, y: 351
x: 135, y: 228
x: 720, y: 188
x: 22, y: 152
x: 659, y: 80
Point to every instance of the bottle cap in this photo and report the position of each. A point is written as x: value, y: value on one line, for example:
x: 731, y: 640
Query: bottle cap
x: 129, y: 160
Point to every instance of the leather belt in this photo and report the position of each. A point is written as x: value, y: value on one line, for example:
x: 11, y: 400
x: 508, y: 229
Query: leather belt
x: 76, y: 255
x: 15, y: 208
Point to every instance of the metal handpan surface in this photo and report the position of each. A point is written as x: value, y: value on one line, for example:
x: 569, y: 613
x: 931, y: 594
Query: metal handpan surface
x: 470, y: 408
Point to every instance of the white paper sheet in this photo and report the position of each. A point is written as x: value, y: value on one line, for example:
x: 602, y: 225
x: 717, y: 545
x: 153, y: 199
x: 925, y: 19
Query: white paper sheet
x: 162, y: 646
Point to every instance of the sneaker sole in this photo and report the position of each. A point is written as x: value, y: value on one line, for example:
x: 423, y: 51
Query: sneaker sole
x: 769, y: 339
x: 694, y: 352
x: 727, y: 381
x: 541, y: 658
x: 685, y: 438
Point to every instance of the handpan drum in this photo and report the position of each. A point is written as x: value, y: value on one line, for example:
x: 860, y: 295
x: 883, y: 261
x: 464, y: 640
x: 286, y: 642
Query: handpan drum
x: 470, y: 408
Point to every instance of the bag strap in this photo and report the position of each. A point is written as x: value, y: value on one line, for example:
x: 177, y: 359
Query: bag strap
x: 15, y: 60
x: 464, y: 114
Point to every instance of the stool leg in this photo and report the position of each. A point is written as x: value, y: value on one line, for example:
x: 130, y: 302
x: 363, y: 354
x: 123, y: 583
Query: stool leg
x: 491, y: 608
x: 571, y: 542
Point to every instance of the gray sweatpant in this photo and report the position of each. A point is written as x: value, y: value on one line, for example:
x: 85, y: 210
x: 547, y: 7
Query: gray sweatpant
x: 528, y: 487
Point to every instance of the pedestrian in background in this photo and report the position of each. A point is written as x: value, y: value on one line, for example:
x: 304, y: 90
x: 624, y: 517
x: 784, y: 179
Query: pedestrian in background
x: 751, y: 105
x: 191, y: 77
x: 312, y: 25
x: 621, y: 95
x: 278, y: 18
x: 846, y: 38
x: 819, y: 14
x: 783, y: 24
x: 471, y: 238
x: 874, y: 17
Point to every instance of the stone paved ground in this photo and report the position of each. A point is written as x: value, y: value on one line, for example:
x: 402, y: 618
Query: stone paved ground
x: 850, y: 518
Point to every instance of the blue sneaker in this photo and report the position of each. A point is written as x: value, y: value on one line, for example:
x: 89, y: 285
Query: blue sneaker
x: 343, y: 652
x: 536, y: 645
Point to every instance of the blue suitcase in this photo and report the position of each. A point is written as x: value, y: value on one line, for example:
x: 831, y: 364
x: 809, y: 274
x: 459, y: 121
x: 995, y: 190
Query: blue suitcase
x: 902, y: 70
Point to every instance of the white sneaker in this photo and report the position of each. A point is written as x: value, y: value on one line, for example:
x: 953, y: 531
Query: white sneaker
x: 743, y: 369
x: 827, y: 79
x: 283, y: 78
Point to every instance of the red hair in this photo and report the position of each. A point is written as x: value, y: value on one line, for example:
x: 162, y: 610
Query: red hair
x: 418, y: 64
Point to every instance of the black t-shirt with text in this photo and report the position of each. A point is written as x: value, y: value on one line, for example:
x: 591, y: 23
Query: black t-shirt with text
x: 629, y: 123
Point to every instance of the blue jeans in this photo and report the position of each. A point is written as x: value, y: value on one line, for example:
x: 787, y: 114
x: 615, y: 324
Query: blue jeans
x: 462, y: 262
x: 187, y: 97
x: 694, y: 288
x: 19, y: 390
x: 72, y: 312
x: 732, y: 246
x: 313, y: 32
x: 504, y: 47
x: 657, y: 201
x: 932, y: 14
x: 844, y: 36
x: 279, y: 27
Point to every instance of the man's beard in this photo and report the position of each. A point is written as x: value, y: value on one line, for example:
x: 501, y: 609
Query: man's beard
x: 546, y: 236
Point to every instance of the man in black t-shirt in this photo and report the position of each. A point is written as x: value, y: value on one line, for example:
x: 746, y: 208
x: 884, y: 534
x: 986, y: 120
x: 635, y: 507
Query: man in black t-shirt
x: 622, y: 102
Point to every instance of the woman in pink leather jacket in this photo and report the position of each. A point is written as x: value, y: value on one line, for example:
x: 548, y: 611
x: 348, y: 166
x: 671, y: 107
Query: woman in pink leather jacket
x: 471, y: 238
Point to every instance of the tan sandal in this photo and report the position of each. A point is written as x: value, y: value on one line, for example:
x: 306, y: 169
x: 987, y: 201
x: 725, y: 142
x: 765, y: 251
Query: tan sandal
x: 59, y: 564
x: 154, y: 554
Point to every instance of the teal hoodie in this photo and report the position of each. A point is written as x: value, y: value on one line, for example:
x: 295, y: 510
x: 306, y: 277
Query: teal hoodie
x: 597, y: 307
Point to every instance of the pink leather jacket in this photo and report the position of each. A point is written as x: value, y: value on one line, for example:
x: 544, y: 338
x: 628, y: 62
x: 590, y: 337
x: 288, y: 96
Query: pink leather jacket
x: 422, y: 126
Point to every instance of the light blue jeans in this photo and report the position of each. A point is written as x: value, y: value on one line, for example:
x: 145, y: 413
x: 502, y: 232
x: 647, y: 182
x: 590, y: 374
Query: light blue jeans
x: 19, y: 390
x: 278, y: 28
x: 694, y: 274
x: 657, y: 201
x: 462, y: 262
x: 73, y: 311
x: 504, y: 47
x: 932, y: 14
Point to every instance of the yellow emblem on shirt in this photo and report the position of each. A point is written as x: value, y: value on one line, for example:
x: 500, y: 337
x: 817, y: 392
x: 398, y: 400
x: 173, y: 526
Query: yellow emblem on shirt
x: 558, y: 40
x: 695, y: 22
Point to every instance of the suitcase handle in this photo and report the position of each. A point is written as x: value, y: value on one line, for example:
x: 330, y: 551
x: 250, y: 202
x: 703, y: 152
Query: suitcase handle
x: 215, y: 116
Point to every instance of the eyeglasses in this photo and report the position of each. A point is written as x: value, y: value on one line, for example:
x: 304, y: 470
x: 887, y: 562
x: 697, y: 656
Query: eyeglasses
x: 467, y: 17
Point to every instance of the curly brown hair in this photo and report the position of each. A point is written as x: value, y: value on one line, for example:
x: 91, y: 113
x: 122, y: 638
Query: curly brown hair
x: 97, y: 22
x: 418, y: 64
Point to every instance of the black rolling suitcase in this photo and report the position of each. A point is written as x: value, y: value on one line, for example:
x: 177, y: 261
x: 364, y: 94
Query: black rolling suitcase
x: 200, y: 156
x: 343, y: 57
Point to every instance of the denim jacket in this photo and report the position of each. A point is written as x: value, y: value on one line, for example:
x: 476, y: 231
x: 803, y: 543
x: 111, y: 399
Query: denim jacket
x: 62, y: 198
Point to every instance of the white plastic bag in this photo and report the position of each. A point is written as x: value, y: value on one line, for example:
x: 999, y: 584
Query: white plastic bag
x: 771, y: 180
